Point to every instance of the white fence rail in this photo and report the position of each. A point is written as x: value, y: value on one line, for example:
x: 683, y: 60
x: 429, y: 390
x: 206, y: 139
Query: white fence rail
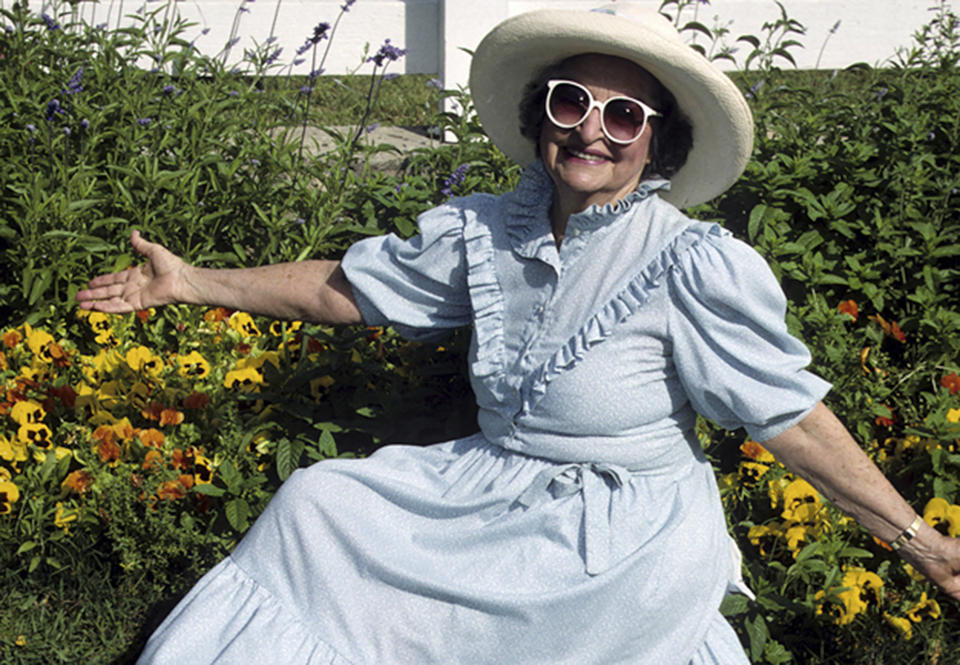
x: 437, y: 32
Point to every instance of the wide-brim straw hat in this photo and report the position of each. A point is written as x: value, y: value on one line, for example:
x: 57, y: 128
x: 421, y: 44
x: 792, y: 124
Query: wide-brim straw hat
x: 517, y: 50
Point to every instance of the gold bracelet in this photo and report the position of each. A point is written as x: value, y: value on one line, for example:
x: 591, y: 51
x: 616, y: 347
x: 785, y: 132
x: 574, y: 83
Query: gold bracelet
x: 907, y: 534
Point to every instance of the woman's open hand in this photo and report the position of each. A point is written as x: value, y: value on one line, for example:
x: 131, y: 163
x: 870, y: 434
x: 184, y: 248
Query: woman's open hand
x: 158, y: 281
x: 936, y: 556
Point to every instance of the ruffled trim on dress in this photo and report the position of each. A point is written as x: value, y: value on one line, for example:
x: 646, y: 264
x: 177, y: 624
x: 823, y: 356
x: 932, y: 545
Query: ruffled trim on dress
x: 622, y: 306
x: 194, y: 634
x: 486, y: 298
x: 528, y: 210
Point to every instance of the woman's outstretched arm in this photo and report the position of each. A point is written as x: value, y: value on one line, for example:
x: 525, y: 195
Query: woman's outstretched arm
x: 821, y: 450
x: 315, y: 291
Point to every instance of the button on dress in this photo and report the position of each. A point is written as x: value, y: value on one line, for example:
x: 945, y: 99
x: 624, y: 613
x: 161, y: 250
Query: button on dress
x: 582, y: 523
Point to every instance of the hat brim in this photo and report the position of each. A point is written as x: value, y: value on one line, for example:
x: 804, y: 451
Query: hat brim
x: 521, y: 47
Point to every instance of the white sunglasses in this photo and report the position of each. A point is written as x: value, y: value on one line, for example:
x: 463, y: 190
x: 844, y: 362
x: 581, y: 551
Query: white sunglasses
x: 622, y: 119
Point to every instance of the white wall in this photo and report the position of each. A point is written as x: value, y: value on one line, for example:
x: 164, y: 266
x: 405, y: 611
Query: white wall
x: 436, y: 31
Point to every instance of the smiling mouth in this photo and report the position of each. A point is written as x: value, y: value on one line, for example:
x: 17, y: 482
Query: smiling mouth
x: 586, y: 156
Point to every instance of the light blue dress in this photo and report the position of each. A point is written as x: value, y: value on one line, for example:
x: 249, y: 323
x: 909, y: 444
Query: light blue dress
x: 582, y: 524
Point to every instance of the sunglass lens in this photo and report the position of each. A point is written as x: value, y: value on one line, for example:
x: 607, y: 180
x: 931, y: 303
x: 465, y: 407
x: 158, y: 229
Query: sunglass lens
x: 568, y: 104
x: 624, y: 119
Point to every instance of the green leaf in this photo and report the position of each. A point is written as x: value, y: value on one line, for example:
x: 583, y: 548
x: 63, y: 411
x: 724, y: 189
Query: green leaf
x: 209, y: 490
x: 286, y: 464
x: 26, y: 546
x: 758, y: 633
x: 238, y: 514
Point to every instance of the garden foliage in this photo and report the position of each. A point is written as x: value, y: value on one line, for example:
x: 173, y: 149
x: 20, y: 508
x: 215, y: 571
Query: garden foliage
x: 136, y: 450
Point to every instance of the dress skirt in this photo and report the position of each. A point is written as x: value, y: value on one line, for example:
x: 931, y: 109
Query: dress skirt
x: 457, y: 553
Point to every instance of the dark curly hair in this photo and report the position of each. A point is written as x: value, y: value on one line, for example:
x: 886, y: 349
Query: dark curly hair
x: 672, y: 133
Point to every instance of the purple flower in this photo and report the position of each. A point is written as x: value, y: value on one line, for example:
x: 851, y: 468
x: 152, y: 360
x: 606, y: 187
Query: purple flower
x: 31, y: 128
x: 54, y: 109
x: 388, y: 52
x: 300, y: 221
x: 255, y: 162
x: 143, y: 122
x: 347, y: 5
x: 66, y: 131
x: 315, y: 73
x: 233, y: 93
x: 51, y: 24
x: 243, y: 9
x: 205, y: 31
x: 306, y: 90
x: 298, y: 61
x: 319, y: 32
x: 73, y: 86
x: 272, y: 58
x: 306, y: 47
x: 169, y: 89
x: 371, y: 127
x: 84, y: 124
x: 455, y: 179
x: 390, y: 76
x: 436, y: 84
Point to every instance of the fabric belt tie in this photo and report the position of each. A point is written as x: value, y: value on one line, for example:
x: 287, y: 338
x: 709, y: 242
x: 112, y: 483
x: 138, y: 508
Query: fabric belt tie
x: 591, y: 480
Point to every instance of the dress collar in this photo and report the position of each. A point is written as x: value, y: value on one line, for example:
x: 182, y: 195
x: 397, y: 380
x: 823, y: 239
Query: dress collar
x: 528, y: 210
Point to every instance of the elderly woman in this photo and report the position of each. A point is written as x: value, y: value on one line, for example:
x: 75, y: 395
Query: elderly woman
x: 582, y: 524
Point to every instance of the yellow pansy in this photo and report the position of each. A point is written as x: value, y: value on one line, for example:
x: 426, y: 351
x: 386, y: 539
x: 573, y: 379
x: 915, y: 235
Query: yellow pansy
x: 943, y: 516
x: 64, y: 516
x: 751, y: 472
x: 14, y: 452
x: 246, y: 379
x: 902, y: 626
x: 100, y: 323
x: 202, y: 470
x: 953, y: 415
x: 9, y: 495
x: 39, y: 343
x: 36, y: 433
x: 27, y: 411
x: 858, y: 588
x: 763, y: 536
x: 926, y: 608
x: 97, y: 368
x: 801, y: 502
x: 257, y: 362
x: 109, y: 394
x: 319, y: 385
x: 276, y: 327
x: 140, y: 359
x: 243, y: 324
x: 193, y: 365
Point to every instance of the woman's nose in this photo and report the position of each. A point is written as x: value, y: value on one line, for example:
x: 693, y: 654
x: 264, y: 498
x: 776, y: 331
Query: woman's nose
x: 591, y: 129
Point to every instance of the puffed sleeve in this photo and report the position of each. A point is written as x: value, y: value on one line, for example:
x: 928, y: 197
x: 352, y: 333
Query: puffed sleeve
x: 734, y: 357
x: 418, y: 286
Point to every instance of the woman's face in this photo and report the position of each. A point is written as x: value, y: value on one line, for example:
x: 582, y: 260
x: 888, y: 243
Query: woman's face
x: 586, y: 167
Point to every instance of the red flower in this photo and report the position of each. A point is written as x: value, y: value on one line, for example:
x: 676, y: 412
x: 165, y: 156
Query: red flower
x: 887, y: 421
x: 951, y: 382
x: 143, y: 315
x: 850, y: 308
x: 66, y: 395
x: 196, y: 400
x: 891, y: 329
